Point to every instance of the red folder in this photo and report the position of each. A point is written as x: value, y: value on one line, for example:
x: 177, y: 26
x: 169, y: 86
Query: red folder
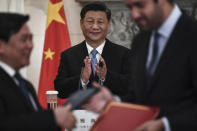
x: 124, y: 117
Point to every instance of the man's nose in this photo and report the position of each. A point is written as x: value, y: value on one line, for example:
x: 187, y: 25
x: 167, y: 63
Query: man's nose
x: 95, y: 25
x: 30, y: 44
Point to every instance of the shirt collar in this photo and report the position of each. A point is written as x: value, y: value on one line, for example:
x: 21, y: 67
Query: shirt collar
x: 167, y: 27
x: 8, y: 69
x: 99, y: 48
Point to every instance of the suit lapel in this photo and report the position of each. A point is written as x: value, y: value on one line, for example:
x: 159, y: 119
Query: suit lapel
x: 106, y: 51
x: 82, y: 52
x: 169, y: 50
x: 10, y: 83
x: 31, y: 90
x: 141, y: 63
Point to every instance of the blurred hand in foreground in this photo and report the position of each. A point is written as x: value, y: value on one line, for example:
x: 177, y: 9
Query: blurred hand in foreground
x: 152, y: 125
x: 64, y: 117
x: 98, y: 101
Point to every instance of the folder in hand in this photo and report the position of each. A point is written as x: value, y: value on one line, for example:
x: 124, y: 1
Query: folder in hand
x: 124, y: 117
x: 81, y: 97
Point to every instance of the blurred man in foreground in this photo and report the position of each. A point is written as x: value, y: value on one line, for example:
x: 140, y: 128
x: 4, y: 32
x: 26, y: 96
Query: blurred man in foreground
x: 163, y: 65
x: 19, y: 107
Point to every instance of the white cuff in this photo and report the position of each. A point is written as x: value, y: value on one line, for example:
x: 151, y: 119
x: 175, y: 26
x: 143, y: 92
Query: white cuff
x: 84, y: 85
x: 166, y: 124
x: 117, y: 98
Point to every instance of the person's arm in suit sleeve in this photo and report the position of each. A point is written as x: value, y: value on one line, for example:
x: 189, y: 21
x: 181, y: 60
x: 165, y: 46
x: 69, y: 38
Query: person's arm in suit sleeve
x: 20, y: 119
x: 186, y: 117
x: 64, y: 83
x: 118, y: 82
x: 41, y: 120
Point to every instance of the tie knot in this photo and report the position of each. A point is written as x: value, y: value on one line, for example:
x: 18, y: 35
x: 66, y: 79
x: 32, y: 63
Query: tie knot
x: 18, y: 76
x: 157, y: 35
x: 94, y: 52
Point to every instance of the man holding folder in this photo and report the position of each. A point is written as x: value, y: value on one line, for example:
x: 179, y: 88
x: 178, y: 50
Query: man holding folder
x: 163, y: 66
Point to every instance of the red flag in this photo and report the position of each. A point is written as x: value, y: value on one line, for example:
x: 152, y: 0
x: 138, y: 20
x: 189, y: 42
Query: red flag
x: 56, y: 40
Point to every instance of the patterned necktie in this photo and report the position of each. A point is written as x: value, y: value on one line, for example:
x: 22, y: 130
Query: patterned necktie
x: 93, y: 60
x: 151, y: 68
x: 22, y: 85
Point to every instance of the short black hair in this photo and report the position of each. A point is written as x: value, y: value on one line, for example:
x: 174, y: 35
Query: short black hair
x: 96, y: 6
x: 11, y: 23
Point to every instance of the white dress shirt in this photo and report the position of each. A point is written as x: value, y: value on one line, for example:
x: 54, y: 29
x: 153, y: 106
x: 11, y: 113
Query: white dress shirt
x: 99, y: 49
x: 165, y: 31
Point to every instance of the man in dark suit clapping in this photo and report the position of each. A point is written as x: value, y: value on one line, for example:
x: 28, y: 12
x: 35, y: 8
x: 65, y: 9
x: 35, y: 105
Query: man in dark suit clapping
x: 72, y: 76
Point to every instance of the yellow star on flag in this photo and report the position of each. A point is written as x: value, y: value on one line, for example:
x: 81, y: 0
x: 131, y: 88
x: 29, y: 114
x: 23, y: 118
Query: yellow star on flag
x: 49, y: 54
x: 53, y: 13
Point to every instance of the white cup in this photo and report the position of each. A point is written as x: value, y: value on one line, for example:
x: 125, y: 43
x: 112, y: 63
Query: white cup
x: 52, y: 99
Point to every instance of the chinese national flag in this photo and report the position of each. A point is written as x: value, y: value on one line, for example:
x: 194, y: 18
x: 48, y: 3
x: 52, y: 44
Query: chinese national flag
x: 56, y: 40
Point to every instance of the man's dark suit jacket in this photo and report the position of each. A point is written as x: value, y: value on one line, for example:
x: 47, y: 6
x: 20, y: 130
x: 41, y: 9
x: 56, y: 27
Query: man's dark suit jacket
x: 17, y: 113
x: 116, y: 59
x: 174, y: 84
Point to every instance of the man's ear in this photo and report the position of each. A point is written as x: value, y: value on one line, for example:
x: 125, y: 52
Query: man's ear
x: 81, y: 22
